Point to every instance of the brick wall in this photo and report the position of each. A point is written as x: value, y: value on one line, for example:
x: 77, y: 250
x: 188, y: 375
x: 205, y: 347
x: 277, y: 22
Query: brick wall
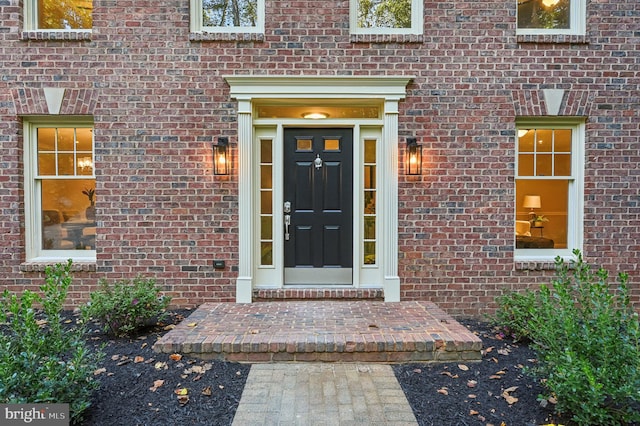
x: 158, y: 99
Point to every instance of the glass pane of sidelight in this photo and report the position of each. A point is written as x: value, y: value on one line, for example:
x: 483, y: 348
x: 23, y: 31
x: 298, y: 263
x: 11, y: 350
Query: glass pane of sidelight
x: 266, y: 227
x: 370, y: 228
x: 266, y: 151
x: 370, y: 253
x: 266, y: 253
x: 265, y: 176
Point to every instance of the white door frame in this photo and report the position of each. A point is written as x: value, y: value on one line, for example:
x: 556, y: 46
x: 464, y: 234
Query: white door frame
x: 248, y: 89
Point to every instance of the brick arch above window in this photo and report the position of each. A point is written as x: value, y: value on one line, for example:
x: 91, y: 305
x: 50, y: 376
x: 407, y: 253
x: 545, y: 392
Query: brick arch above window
x: 54, y: 101
x: 552, y: 102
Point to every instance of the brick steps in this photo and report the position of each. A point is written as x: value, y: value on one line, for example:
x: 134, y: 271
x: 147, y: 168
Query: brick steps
x: 324, y: 331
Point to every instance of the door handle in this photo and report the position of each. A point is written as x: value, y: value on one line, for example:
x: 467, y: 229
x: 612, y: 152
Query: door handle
x: 287, y: 222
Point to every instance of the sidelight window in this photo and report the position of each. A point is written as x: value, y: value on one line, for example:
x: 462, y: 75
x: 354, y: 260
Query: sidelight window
x: 266, y: 202
x: 370, y: 193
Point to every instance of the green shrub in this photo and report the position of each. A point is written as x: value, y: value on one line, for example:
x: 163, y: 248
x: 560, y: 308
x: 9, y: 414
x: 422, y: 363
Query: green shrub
x: 588, y: 343
x: 40, y: 360
x: 126, y: 306
x: 514, y: 313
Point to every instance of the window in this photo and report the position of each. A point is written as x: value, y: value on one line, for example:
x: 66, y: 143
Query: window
x: 224, y: 16
x: 549, y: 188
x: 59, y: 190
x: 386, y: 16
x: 551, y: 17
x: 58, y: 14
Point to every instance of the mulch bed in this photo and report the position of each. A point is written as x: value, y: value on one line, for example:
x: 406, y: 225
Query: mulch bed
x: 141, y: 387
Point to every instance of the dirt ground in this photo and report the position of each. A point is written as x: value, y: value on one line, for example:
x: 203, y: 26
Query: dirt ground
x: 141, y: 387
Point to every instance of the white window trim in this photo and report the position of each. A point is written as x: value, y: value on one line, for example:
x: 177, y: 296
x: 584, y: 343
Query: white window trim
x: 417, y: 21
x: 575, y: 218
x: 577, y: 24
x: 32, y: 206
x: 197, y: 25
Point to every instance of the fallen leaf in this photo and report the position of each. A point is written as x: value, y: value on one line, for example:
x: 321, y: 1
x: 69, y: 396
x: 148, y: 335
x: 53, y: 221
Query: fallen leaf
x: 472, y: 383
x: 473, y: 413
x: 494, y: 377
x: 417, y: 370
x: 181, y: 391
x: 115, y: 357
x: 463, y: 367
x: 156, y: 385
x: 448, y: 373
x: 443, y: 391
x: 207, y: 391
x: 183, y: 399
x: 161, y: 365
x: 503, y: 351
x: 489, y: 349
x: 144, y: 345
x: 255, y: 331
x: 99, y: 371
x: 169, y: 327
x: 138, y: 359
x: 192, y: 324
x: 472, y: 396
x: 198, y: 377
x: 506, y: 394
x: 175, y: 357
x: 221, y: 387
x: 42, y: 322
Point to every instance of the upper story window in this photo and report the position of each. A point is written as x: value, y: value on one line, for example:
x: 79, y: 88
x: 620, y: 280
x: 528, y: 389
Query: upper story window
x: 53, y: 15
x: 549, y: 187
x: 551, y: 16
x: 60, y: 190
x: 225, y: 16
x: 386, y: 16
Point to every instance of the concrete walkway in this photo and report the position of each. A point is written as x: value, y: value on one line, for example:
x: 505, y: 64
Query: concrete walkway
x: 323, y: 394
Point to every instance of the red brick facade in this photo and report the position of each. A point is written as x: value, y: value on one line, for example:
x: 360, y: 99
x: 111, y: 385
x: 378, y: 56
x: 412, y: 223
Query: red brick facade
x: 158, y: 99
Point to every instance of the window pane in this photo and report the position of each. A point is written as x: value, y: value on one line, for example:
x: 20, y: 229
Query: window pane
x: 544, y: 14
x: 46, y: 139
x: 66, y: 167
x: 65, y: 14
x: 544, y: 140
x: 554, y: 206
x: 525, y: 165
x: 265, y: 151
x: 266, y: 254
x: 384, y: 13
x: 370, y: 227
x: 265, y: 202
x: 543, y: 165
x: 370, y: 151
x: 332, y: 145
x: 47, y: 164
x: 562, y: 140
x: 304, y: 145
x: 370, y: 202
x: 84, y: 139
x: 265, y: 177
x: 562, y: 165
x: 229, y: 13
x: 369, y: 253
x: 266, y: 227
x: 68, y: 217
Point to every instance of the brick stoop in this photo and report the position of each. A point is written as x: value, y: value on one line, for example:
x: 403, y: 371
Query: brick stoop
x: 322, y: 331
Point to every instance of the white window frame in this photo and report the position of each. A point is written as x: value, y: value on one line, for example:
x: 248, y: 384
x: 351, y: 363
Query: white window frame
x: 575, y: 213
x: 32, y: 192
x: 31, y: 20
x: 417, y: 21
x: 577, y: 22
x: 197, y: 25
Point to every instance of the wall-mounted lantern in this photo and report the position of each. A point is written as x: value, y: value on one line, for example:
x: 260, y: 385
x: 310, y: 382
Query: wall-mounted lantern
x: 220, y: 160
x: 414, y: 157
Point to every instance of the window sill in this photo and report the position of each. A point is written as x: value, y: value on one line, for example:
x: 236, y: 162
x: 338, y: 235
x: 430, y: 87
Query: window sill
x: 40, y: 266
x: 57, y: 35
x: 204, y: 36
x: 387, y: 38
x: 535, y: 265
x: 552, y: 38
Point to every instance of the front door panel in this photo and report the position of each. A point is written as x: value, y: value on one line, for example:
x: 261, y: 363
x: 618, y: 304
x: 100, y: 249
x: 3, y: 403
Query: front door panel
x: 318, y: 172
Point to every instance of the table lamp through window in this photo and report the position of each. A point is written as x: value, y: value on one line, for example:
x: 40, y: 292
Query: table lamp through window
x: 531, y: 202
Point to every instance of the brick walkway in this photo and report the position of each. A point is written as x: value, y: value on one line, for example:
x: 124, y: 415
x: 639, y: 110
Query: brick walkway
x: 312, y: 394
x: 325, y: 331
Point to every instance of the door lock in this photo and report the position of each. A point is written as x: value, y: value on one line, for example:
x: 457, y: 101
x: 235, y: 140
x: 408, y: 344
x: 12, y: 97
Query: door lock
x: 287, y: 206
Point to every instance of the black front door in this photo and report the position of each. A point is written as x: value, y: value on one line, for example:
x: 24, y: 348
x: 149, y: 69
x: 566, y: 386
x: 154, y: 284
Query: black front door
x: 318, y: 195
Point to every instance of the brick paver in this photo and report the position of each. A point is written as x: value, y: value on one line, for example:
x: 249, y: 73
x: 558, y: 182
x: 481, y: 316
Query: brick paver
x: 325, y: 331
x: 314, y: 394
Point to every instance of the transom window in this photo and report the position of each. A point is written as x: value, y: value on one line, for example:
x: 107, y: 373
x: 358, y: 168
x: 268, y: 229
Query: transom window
x: 60, y: 191
x: 548, y: 188
x: 58, y: 14
x: 227, y: 16
x: 386, y: 16
x: 551, y: 16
